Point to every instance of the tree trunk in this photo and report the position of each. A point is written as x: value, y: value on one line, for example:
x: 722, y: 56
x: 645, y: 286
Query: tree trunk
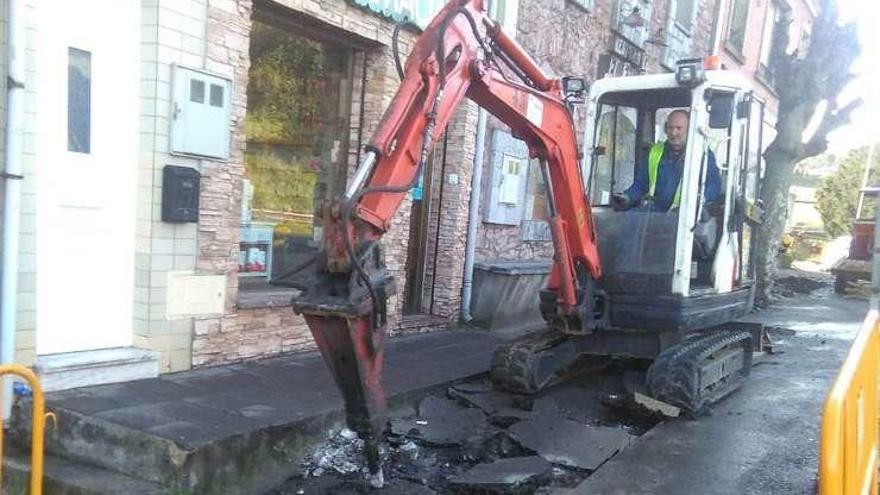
x: 777, y: 182
x: 801, y: 83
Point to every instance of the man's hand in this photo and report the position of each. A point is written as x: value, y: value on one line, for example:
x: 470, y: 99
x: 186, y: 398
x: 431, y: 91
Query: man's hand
x: 620, y: 202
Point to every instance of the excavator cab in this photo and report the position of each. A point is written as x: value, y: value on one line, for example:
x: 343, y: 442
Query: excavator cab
x: 689, y: 266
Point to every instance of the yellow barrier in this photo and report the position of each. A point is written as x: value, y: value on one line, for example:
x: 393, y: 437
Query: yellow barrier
x: 37, y: 426
x: 848, y: 450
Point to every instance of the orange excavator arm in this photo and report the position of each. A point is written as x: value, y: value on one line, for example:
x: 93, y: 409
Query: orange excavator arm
x: 345, y: 289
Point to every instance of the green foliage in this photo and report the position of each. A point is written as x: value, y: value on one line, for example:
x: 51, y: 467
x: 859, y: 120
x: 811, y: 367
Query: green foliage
x: 280, y: 185
x: 838, y: 193
x: 284, y: 87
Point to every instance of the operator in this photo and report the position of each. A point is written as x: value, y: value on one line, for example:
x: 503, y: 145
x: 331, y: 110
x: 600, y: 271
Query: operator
x: 658, y: 179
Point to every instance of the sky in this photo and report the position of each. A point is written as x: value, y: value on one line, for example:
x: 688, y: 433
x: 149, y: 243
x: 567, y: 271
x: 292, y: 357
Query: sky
x: 865, y: 126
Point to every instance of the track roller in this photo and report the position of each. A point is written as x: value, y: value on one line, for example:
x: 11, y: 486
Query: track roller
x: 701, y: 370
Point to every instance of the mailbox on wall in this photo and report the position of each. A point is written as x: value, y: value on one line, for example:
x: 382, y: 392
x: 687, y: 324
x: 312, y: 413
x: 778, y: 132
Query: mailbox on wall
x: 200, y: 113
x: 180, y: 194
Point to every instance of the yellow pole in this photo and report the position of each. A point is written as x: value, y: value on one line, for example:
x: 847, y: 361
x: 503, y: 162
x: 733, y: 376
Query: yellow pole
x: 38, y: 423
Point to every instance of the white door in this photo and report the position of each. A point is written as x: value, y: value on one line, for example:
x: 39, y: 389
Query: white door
x: 88, y: 77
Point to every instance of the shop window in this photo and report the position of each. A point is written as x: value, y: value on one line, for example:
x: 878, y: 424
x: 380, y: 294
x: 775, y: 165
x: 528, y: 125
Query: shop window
x: 79, y: 100
x: 297, y: 129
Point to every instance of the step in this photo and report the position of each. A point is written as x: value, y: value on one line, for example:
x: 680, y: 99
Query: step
x: 85, y: 368
x: 63, y: 477
x: 242, y: 462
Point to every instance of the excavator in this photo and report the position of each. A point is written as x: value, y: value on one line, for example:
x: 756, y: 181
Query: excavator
x: 658, y: 286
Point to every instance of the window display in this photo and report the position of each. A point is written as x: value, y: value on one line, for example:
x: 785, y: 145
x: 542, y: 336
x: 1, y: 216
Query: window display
x: 297, y: 126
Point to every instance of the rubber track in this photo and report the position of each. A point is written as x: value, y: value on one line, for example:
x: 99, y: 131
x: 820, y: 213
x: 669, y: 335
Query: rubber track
x: 513, y: 364
x: 674, y: 377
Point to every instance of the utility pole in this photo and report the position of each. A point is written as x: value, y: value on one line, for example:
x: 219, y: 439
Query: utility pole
x: 875, y: 256
x: 875, y: 259
x: 865, y: 176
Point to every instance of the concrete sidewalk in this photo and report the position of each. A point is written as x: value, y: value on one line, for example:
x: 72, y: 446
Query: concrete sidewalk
x: 761, y: 440
x: 239, y: 428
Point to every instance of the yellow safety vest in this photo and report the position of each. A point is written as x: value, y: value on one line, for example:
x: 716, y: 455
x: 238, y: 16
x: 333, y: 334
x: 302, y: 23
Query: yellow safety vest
x: 654, y: 166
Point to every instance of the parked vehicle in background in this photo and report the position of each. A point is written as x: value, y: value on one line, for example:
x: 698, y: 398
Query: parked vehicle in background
x: 856, y: 266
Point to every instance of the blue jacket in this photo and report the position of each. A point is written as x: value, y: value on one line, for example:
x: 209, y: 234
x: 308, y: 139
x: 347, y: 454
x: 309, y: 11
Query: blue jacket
x: 667, y: 181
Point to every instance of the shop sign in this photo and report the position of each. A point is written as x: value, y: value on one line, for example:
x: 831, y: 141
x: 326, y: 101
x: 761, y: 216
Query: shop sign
x: 420, y: 12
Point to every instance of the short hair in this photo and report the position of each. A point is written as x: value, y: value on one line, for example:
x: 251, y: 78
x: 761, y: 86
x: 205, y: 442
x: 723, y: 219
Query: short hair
x: 681, y: 111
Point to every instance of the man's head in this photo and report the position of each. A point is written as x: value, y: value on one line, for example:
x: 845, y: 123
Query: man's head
x: 677, y: 129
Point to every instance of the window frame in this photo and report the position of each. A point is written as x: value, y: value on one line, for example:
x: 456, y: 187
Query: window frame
x: 350, y: 97
x: 585, y: 5
x: 764, y: 71
x: 686, y: 28
x: 616, y: 110
x: 738, y: 51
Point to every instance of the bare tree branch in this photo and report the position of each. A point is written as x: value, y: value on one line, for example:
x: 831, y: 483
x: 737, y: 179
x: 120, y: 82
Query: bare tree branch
x: 832, y: 120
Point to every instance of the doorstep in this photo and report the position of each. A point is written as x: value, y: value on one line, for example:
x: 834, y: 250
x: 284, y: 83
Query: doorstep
x: 95, y: 367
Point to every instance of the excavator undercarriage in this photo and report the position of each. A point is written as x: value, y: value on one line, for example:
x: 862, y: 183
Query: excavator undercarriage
x: 689, y: 372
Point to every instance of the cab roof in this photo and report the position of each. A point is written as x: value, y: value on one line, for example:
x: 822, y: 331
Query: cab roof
x: 665, y: 84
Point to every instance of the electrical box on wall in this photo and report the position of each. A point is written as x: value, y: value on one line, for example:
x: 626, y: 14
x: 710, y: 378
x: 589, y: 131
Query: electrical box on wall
x: 200, y: 113
x: 180, y: 194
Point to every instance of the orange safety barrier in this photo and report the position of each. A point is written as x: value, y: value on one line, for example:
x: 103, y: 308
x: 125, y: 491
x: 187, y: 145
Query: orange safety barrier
x: 848, y: 449
x: 38, y: 424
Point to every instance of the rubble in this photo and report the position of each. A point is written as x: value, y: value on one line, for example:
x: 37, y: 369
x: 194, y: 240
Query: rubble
x: 566, y: 442
x: 501, y: 408
x: 349, y: 486
x: 442, y: 423
x: 343, y: 454
x: 503, y: 476
x: 479, y: 440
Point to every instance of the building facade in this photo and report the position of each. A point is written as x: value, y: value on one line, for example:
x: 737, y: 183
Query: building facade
x: 743, y: 39
x: 176, y: 154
